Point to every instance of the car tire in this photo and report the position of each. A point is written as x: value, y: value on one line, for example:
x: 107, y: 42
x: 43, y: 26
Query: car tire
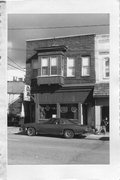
x: 68, y: 133
x: 31, y: 131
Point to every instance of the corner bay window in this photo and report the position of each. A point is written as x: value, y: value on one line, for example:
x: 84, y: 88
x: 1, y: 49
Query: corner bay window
x: 85, y: 66
x: 44, y: 66
x: 34, y: 68
x: 49, y: 66
x: 54, y: 65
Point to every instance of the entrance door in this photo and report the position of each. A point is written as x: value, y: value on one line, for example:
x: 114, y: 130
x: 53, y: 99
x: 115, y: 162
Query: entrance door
x: 85, y: 112
x: 105, y: 114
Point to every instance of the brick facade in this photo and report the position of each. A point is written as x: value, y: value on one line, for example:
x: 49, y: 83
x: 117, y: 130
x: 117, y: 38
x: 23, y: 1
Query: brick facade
x: 77, y: 46
x: 66, y: 92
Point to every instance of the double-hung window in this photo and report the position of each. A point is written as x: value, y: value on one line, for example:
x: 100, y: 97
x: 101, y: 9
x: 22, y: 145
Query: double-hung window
x: 106, y: 67
x: 70, y: 67
x: 44, y: 66
x: 85, y: 66
x: 34, y: 68
x: 53, y: 65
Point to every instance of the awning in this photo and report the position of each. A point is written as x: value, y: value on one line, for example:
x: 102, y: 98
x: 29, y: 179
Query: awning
x: 101, y: 90
x: 65, y: 96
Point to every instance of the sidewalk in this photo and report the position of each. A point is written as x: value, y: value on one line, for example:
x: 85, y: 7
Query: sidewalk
x: 12, y: 130
x: 98, y: 136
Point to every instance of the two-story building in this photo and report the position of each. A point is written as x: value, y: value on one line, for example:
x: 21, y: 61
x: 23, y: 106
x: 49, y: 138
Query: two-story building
x: 61, y: 73
x: 101, y: 90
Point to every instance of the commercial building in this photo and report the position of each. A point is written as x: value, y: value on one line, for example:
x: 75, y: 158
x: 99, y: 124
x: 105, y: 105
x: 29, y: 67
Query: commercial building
x: 61, y: 73
x: 69, y: 78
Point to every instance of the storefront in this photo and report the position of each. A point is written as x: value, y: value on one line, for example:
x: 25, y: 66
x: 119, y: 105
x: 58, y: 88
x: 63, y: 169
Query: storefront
x: 68, y: 102
x: 101, y: 96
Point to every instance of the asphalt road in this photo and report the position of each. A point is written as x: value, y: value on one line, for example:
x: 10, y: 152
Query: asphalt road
x: 23, y: 149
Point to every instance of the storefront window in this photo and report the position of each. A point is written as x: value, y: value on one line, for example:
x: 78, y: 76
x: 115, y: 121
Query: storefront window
x: 69, y: 111
x: 47, y: 111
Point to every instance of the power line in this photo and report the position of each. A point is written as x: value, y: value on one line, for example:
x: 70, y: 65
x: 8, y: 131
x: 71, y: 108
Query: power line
x: 15, y: 67
x: 19, y: 49
x: 58, y: 27
x: 14, y: 62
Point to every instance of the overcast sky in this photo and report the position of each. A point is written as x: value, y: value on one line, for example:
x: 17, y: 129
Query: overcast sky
x: 17, y: 37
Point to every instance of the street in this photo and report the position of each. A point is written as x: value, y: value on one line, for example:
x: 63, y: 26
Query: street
x: 23, y: 149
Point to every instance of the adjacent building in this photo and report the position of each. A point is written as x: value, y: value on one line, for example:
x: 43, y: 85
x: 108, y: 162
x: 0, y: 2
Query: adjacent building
x: 69, y: 78
x: 101, y: 89
x: 15, y: 90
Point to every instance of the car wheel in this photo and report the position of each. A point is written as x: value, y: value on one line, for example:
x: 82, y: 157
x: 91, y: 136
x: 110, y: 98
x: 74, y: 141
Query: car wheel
x: 31, y: 132
x: 68, y: 133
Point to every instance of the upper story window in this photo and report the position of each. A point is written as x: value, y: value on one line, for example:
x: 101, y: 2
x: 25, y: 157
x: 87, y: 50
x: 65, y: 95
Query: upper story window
x: 49, y: 66
x: 106, y: 67
x: 44, y: 66
x: 54, y: 65
x: 86, y: 66
x: 70, y: 67
x: 34, y: 68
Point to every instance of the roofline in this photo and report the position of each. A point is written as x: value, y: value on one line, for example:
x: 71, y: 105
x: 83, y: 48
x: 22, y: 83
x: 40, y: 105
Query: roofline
x: 60, y: 37
x: 102, y: 34
x: 100, y: 96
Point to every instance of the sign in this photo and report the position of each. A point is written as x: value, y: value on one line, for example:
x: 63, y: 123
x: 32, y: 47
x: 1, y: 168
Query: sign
x: 26, y: 93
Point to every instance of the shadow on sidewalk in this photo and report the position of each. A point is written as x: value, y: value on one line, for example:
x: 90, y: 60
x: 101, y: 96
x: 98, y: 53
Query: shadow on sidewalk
x: 104, y: 139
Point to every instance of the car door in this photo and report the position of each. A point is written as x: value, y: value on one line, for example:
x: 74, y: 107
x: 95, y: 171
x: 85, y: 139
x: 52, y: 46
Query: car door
x: 41, y: 128
x: 53, y: 127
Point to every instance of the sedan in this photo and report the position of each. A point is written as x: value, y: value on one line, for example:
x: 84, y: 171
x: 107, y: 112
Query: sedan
x: 55, y: 126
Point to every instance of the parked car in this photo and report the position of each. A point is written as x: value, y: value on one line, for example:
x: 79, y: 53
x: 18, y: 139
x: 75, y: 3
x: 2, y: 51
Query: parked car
x: 55, y: 126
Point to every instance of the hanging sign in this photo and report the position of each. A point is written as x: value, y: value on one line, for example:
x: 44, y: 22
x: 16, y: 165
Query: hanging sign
x: 27, y: 93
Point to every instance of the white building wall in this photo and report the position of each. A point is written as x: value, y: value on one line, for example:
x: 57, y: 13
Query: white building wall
x: 97, y: 117
x: 15, y: 73
x: 102, y: 49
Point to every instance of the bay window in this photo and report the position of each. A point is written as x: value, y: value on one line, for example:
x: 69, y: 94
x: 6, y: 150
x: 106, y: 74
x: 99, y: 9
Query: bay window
x: 44, y: 66
x: 34, y: 68
x: 54, y: 65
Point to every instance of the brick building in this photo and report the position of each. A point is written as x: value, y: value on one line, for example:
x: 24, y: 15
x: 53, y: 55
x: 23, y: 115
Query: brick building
x: 61, y: 73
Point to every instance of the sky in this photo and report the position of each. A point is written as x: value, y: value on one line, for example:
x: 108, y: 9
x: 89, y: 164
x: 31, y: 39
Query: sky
x: 22, y: 27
